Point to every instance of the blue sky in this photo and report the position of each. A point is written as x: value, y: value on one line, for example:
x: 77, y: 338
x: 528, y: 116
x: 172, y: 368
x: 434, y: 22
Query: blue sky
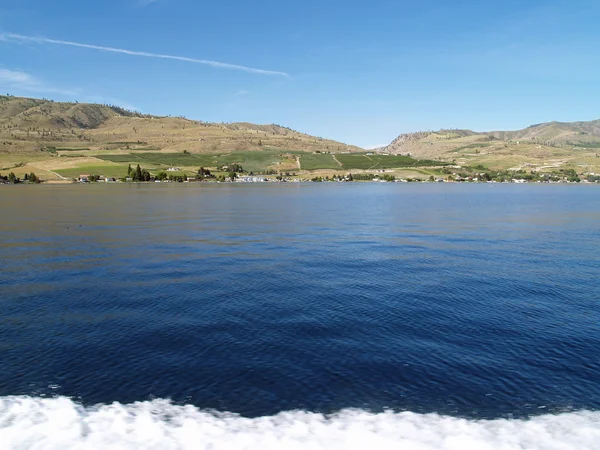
x: 359, y: 72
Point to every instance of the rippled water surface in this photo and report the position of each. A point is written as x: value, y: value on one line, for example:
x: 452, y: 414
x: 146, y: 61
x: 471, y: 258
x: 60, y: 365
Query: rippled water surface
x: 476, y: 301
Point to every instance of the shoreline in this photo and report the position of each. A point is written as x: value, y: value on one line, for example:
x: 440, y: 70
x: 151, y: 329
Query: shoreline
x: 276, y: 182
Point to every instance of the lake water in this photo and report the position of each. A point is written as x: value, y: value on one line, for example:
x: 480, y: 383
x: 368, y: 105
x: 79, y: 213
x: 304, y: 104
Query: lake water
x: 300, y: 316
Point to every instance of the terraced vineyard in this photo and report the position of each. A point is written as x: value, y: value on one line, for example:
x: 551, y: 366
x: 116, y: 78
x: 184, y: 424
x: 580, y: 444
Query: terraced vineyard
x: 250, y: 160
x: 257, y: 161
x: 312, y: 161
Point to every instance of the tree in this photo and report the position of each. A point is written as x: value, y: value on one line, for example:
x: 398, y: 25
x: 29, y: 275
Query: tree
x: 33, y: 178
x: 12, y: 178
x: 138, y: 174
x: 232, y: 175
x: 129, y: 170
x: 233, y: 168
x: 203, y: 173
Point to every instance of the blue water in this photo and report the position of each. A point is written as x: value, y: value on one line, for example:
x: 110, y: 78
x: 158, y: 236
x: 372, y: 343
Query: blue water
x: 474, y: 301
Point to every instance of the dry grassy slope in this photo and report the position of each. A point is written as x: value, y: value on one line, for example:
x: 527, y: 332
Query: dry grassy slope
x: 551, y: 134
x: 557, y: 133
x: 24, y: 113
x: 28, y: 125
x: 178, y: 134
x: 548, y: 146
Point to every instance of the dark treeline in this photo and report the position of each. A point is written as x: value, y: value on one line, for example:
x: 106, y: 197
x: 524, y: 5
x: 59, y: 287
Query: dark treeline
x: 138, y: 174
x: 484, y: 174
x: 11, y: 178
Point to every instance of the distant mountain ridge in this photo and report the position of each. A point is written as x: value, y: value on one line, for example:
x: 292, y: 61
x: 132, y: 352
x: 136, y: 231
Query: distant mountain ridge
x: 551, y: 134
x: 60, y: 136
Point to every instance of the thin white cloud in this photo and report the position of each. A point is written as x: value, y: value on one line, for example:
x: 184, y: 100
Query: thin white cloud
x: 17, y: 79
x: 216, y: 64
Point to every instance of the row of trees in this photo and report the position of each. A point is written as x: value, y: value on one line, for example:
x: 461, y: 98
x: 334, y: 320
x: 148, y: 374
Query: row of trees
x: 484, y: 174
x: 162, y: 176
x: 203, y: 173
x: 368, y: 177
x: 235, y: 167
x: 138, y: 174
x: 13, y: 179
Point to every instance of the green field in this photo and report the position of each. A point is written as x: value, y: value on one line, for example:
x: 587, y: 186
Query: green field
x: 251, y: 161
x: 356, y: 161
x: 587, y: 144
x: 256, y: 161
x: 166, y: 159
x: 312, y: 161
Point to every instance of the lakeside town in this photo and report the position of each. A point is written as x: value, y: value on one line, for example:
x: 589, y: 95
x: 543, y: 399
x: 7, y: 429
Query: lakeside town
x: 235, y: 173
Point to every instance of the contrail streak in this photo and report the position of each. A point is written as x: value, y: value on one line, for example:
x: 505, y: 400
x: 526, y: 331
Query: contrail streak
x: 217, y: 64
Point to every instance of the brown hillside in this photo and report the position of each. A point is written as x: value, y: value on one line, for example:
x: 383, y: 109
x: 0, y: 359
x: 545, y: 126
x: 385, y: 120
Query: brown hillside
x: 547, y: 145
x: 29, y: 125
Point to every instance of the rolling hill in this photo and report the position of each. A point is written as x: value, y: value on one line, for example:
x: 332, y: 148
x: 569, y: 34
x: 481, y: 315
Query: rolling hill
x: 543, y: 146
x: 28, y: 124
x: 57, y: 139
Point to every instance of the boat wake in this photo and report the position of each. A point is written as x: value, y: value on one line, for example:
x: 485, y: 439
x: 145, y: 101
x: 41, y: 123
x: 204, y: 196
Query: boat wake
x: 61, y: 423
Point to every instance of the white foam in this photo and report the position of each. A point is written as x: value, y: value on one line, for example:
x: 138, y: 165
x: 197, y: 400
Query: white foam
x: 60, y: 423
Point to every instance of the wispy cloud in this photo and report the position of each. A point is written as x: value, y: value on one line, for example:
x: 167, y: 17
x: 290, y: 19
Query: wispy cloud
x: 17, y: 79
x: 241, y: 93
x: 221, y: 65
